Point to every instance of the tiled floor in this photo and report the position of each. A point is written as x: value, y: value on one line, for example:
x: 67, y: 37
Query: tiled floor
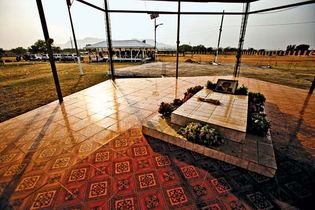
x: 89, y: 153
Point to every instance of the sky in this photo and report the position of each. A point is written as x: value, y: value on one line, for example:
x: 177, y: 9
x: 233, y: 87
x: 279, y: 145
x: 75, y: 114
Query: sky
x: 20, y: 24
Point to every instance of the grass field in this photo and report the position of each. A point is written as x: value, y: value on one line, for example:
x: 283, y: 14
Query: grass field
x: 25, y: 86
x: 293, y: 71
x: 288, y: 62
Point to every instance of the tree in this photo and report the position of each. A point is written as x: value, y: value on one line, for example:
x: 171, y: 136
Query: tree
x: 185, y: 48
x: 38, y: 47
x: 56, y: 49
x: 250, y: 49
x: 230, y: 49
x: 199, y: 48
x: 209, y: 49
x: 302, y: 47
x: 1, y: 52
x: 291, y: 47
x: 19, y: 50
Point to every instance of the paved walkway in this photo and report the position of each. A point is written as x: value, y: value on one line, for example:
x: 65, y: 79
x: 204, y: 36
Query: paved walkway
x: 89, y: 153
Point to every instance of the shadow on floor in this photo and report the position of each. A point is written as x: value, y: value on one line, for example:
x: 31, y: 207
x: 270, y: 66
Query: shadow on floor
x: 10, y: 187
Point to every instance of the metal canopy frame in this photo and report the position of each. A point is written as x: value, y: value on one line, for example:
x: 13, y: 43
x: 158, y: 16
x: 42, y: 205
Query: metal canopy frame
x: 178, y: 13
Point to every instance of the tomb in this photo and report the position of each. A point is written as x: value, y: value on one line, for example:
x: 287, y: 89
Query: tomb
x: 251, y: 152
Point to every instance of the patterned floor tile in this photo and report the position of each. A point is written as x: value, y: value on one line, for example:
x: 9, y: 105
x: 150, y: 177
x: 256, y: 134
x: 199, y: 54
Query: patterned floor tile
x: 221, y: 185
x: 101, y: 170
x: 225, y: 166
x: 86, y: 148
x: 44, y: 199
x: 240, y: 181
x: 47, y: 153
x: 16, y: 202
x: 291, y: 168
x: 28, y: 183
x: 197, y: 156
x: 140, y: 151
x: 125, y: 170
x: 189, y: 172
x: 259, y: 201
x: 181, y: 157
x: 78, y: 173
x: 102, y: 156
x: 139, y: 140
x: 152, y: 200
x: 298, y: 190
x: 122, y: 154
x: 54, y: 178
x: 71, y: 195
x: 121, y: 142
x: 258, y: 178
x: 14, y: 170
x: 129, y: 202
x: 97, y: 205
x: 209, y: 165
x: 143, y: 164
x: 280, y: 197
x: 124, y: 184
x: 168, y: 176
x: 8, y: 158
x: 176, y: 197
x: 99, y: 189
x: 211, y: 204
x: 146, y: 181
x: 61, y: 163
x: 122, y: 167
x: 231, y: 202
x: 162, y: 161
x: 202, y: 191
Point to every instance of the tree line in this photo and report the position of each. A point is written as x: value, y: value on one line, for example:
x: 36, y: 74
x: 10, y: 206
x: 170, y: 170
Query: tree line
x: 38, y: 47
x: 202, y: 48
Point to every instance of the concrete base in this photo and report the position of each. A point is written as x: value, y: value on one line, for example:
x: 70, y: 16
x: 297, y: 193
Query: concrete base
x: 254, y: 153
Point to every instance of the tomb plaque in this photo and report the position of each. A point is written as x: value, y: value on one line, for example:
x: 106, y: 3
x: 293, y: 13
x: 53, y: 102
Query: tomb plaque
x: 230, y: 117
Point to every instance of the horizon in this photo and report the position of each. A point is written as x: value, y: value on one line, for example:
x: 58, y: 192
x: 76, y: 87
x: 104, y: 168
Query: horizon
x: 171, y: 46
x: 271, y: 31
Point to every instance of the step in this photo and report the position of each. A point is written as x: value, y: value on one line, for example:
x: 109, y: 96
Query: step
x: 254, y: 153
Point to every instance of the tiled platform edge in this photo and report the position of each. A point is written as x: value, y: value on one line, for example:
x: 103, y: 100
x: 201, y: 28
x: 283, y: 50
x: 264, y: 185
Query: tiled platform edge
x: 255, y: 153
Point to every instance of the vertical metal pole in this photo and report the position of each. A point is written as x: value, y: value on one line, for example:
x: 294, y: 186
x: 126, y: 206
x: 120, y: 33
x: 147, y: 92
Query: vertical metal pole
x: 241, y: 41
x: 177, y: 42
x: 155, y: 33
x: 109, y: 41
x: 50, y: 53
x: 219, y: 39
x: 74, y: 38
x: 155, y: 39
x: 312, y: 87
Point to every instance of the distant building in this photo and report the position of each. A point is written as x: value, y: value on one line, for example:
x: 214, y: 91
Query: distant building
x: 125, y: 50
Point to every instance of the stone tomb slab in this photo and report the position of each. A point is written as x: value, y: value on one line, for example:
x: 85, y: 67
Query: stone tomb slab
x: 255, y: 153
x: 230, y: 117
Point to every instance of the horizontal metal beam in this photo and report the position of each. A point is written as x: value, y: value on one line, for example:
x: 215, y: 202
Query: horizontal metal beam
x: 282, y: 7
x: 157, y: 11
x: 195, y: 13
